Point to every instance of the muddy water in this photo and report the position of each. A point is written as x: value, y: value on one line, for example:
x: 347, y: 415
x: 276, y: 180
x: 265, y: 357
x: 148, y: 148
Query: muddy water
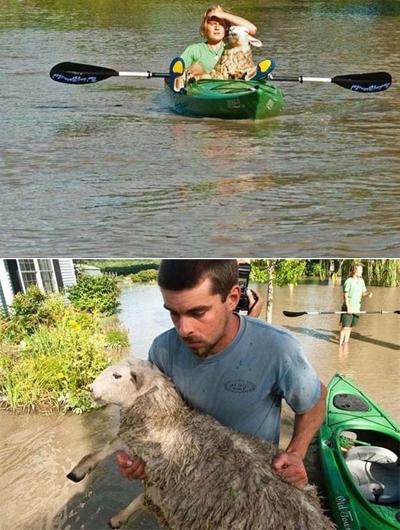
x: 37, y: 451
x: 101, y: 170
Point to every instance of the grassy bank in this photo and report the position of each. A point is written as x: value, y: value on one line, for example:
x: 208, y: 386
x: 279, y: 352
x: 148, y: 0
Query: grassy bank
x: 50, y: 351
x: 123, y: 267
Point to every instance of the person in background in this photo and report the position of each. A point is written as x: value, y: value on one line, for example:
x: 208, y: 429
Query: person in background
x: 233, y: 367
x: 354, y: 290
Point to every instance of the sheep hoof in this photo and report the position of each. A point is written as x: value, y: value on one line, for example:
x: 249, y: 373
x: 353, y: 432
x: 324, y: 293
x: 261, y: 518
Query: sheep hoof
x: 112, y: 523
x: 75, y: 477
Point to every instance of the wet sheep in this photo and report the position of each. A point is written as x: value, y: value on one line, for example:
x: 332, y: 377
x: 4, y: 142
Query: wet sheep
x: 200, y: 475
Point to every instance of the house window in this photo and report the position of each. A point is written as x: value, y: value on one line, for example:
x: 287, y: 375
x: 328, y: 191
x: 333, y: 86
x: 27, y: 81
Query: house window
x: 28, y: 272
x: 38, y: 272
x: 47, y: 274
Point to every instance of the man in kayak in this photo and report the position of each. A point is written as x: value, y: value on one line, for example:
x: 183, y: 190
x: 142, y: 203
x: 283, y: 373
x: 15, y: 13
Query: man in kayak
x: 354, y: 290
x: 202, y: 57
x: 233, y: 367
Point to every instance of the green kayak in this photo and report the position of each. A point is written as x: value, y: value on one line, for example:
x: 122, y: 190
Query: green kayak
x: 232, y: 99
x: 360, y: 448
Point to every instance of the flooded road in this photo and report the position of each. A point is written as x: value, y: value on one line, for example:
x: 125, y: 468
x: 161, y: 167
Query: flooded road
x: 100, y: 170
x: 36, y: 452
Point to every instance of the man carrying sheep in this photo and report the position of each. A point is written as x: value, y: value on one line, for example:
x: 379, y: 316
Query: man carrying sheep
x: 233, y: 367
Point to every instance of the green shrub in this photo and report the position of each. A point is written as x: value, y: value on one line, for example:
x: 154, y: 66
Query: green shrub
x: 149, y: 275
x: 4, y: 323
x: 285, y: 271
x: 53, y: 366
x: 117, y: 338
x: 123, y: 267
x: 259, y: 271
x: 50, y: 352
x: 30, y: 310
x: 96, y: 294
x: 290, y: 271
x: 315, y: 269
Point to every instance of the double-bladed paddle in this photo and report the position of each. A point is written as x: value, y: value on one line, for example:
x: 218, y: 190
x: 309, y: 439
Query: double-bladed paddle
x: 82, y: 74
x: 301, y: 313
x: 372, y: 82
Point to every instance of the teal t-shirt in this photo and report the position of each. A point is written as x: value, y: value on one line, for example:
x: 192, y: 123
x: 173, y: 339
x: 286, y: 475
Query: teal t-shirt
x: 242, y: 386
x: 201, y: 53
x: 355, y: 288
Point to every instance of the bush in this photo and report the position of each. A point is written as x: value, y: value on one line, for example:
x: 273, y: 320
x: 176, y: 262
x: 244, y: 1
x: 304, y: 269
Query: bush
x: 4, y: 323
x: 289, y: 271
x: 286, y: 271
x: 96, y: 294
x: 123, y: 267
x: 259, y: 271
x: 50, y: 352
x: 30, y: 310
x: 52, y: 367
x: 149, y: 275
x: 117, y: 338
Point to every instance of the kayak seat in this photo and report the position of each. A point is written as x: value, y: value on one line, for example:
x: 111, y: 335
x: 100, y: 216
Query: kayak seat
x: 264, y: 68
x: 376, y: 472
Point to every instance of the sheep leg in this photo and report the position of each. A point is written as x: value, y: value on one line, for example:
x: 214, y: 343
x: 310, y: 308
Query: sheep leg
x: 90, y: 461
x: 122, y: 516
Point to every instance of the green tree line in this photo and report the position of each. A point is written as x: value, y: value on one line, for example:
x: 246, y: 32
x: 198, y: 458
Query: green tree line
x: 377, y: 272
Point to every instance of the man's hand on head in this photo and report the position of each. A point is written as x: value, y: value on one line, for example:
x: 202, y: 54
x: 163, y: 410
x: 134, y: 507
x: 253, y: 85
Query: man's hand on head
x: 290, y: 467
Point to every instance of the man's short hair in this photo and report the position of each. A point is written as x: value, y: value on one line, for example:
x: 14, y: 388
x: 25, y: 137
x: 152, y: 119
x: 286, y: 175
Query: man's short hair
x: 354, y: 267
x: 180, y: 274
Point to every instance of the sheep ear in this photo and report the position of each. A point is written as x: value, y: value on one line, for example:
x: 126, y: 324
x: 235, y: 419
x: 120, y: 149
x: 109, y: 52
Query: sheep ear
x: 137, y: 380
x: 255, y: 42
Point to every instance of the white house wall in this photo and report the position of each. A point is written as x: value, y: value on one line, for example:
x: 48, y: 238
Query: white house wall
x: 6, y: 283
x: 67, y: 272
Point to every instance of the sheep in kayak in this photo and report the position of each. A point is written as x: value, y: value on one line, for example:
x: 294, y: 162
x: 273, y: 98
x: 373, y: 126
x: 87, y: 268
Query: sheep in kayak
x: 200, y: 475
x: 236, y: 61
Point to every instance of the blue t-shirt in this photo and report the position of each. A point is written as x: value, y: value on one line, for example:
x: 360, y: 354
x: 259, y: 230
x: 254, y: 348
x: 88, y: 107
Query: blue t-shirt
x: 243, y: 385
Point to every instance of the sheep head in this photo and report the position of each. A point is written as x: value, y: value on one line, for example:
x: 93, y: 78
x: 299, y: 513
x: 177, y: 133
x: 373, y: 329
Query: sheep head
x: 122, y: 383
x: 238, y: 36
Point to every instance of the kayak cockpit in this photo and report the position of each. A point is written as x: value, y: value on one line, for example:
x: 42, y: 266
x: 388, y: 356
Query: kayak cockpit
x: 375, y: 469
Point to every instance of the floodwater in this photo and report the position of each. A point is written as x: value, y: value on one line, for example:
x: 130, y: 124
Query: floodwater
x: 36, y: 452
x: 105, y: 169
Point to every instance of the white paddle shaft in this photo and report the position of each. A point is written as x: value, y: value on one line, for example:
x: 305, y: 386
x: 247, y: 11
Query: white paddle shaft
x: 318, y: 79
x: 135, y: 74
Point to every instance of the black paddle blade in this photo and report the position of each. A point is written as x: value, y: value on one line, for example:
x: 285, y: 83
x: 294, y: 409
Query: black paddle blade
x: 294, y: 313
x: 80, y: 74
x: 374, y: 82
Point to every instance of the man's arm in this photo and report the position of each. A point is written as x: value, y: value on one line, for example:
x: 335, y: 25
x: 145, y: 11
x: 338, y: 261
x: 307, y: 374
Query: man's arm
x: 234, y: 20
x: 290, y: 463
x: 347, y: 302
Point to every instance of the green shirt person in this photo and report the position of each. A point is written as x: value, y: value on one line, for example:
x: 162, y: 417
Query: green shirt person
x: 354, y: 290
x: 200, y: 58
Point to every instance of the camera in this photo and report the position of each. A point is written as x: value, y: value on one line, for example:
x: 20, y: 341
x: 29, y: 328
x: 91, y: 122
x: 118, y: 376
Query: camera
x: 244, y: 274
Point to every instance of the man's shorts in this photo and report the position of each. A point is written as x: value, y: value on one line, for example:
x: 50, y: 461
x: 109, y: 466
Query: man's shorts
x: 348, y: 320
